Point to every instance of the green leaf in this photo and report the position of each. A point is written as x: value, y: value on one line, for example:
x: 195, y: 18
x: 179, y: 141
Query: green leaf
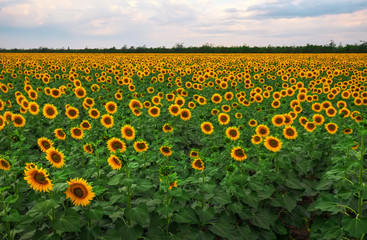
x: 355, y: 226
x: 95, y: 213
x: 222, y: 229
x: 293, y: 183
x: 99, y: 190
x: 13, y: 216
x: 138, y: 214
x: 205, y: 214
x: 11, y: 199
x: 325, y: 203
x: 250, y: 198
x: 70, y: 222
x: 221, y: 198
x: 2, y: 189
x: 143, y: 186
x: 185, y: 215
x: 60, y: 187
x: 46, y: 206
x: 263, y: 219
x: 115, y: 180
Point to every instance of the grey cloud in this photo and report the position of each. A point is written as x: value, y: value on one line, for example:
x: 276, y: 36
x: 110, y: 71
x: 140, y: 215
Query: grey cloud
x: 169, y: 13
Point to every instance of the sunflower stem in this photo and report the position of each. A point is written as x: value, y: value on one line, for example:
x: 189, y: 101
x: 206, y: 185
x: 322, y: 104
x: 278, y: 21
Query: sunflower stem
x: 6, y: 214
x: 360, y: 194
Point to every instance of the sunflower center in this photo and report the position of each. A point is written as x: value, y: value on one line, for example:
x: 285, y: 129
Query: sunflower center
x: 290, y: 132
x: 40, y: 178
x: 278, y: 120
x: 154, y: 111
x: 46, y: 145
x: 331, y: 127
x: 262, y: 131
x: 207, y: 128
x: 78, y: 192
x: 50, y: 111
x: 18, y: 121
x: 199, y: 163
x: 166, y: 149
x: 56, y: 158
x: 141, y: 145
x: 117, y: 145
x: 274, y: 143
x: 128, y: 132
x: 111, y: 107
x: 239, y: 153
x: 185, y: 114
x: 257, y: 139
x: 72, y: 113
x: 33, y: 108
x: 233, y: 133
x: 223, y: 118
x: 5, y: 164
x: 77, y: 132
x: 116, y: 161
x: 107, y: 120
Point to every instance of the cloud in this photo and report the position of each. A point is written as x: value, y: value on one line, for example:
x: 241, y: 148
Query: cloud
x: 305, y: 8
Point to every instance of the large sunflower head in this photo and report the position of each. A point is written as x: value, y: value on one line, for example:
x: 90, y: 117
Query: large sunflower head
x: 33, y: 109
x: 44, y: 144
x: 38, y: 179
x: 154, y: 111
x: 111, y: 107
x: 166, y: 151
x: 262, y: 130
x: 80, y: 92
x: 174, y: 109
x: 141, y: 146
x: 207, y: 128
x: 238, y: 154
x: 256, y: 139
x: 167, y: 128
x: 55, y: 157
x: 128, y: 132
x: 94, y: 113
x: 252, y: 123
x: 290, y: 132
x: 107, y: 121
x: 79, y: 192
x: 18, y: 120
x: 332, y: 128
x: 185, y: 114
x: 232, y: 133
x: 273, y: 143
x: 88, y: 148
x: 198, y: 164
x: 115, y: 144
x: 310, y: 126
x: 223, y: 118
x: 49, y: 111
x: 278, y: 120
x: 60, y: 134
x: 77, y: 133
x: 134, y: 103
x: 4, y: 165
x: 72, y: 112
x: 114, y: 162
x: 318, y: 119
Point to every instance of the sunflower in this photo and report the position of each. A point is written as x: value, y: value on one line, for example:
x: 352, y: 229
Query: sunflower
x: 128, y: 132
x: 79, y: 192
x: 88, y: 148
x: 114, y: 144
x: 310, y: 126
x: 290, y: 132
x: 273, y: 143
x: 166, y: 151
x: 262, y: 130
x: 72, y: 112
x: 215, y: 111
x: 55, y: 157
x: 303, y: 121
x: 85, y: 125
x: 223, y: 118
x: 256, y: 139
x: 80, y: 92
x: 141, y: 146
x: 330, y: 111
x: 172, y: 184
x: 232, y: 133
x: 60, y: 134
x: 4, y: 165
x: 44, y: 144
x: 185, y: 114
x: 114, y: 162
x: 275, y: 104
x: 345, y: 112
x: 316, y: 107
x: 238, y: 154
x: 77, y: 133
x: 111, y: 107
x: 18, y: 120
x: 29, y: 166
x: 332, y: 128
x: 318, y: 119
x: 194, y: 154
x: 278, y: 120
x: 167, y: 128
x: 33, y: 108
x: 49, y: 111
x: 198, y: 164
x: 94, y: 113
x: 134, y: 103
x: 252, y: 123
x: 38, y: 179
x: 207, y: 128
x: 154, y: 111
x: 348, y: 131
x: 174, y: 110
x: 107, y: 121
x: 216, y: 98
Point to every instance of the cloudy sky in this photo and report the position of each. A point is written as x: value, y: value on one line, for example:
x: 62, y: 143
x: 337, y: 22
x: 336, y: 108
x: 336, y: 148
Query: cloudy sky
x: 108, y: 23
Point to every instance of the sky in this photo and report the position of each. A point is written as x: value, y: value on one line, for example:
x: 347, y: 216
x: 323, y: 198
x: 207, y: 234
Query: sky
x: 156, y: 23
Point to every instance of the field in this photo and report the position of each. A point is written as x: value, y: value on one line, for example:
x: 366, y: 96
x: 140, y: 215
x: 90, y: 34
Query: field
x: 183, y: 146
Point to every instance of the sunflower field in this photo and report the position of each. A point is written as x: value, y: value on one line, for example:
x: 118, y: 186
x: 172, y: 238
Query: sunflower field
x: 183, y: 146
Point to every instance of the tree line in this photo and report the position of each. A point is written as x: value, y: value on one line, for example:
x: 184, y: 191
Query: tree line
x: 208, y: 48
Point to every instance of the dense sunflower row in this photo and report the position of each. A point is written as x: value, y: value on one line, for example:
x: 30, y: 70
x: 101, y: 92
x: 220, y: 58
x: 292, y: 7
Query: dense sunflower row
x: 113, y: 107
